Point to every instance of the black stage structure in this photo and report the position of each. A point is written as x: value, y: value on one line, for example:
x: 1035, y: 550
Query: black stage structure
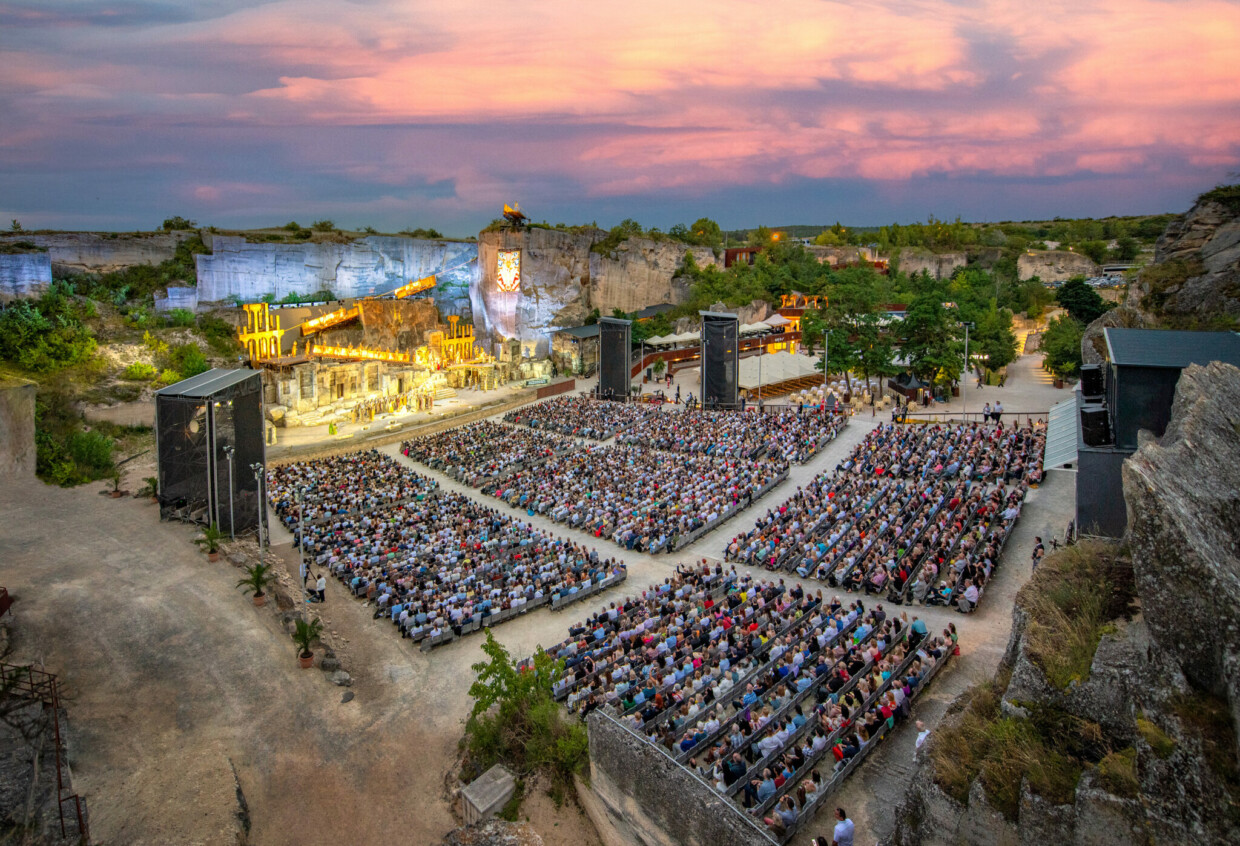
x: 721, y: 352
x: 615, y: 354
x: 209, y: 438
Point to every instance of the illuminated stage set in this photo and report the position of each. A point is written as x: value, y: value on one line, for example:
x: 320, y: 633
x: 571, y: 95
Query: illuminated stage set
x: 350, y: 361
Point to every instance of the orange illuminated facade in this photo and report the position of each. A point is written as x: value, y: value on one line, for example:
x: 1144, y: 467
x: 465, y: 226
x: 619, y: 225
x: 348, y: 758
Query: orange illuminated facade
x: 262, y: 333
x: 358, y: 354
x: 332, y: 318
x: 417, y: 286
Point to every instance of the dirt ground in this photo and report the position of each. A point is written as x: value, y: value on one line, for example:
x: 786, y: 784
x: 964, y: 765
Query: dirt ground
x: 181, y: 694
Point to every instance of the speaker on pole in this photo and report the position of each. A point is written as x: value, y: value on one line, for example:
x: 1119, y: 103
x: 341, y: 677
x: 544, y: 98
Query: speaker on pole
x: 721, y: 356
x: 1091, y: 381
x: 615, y: 350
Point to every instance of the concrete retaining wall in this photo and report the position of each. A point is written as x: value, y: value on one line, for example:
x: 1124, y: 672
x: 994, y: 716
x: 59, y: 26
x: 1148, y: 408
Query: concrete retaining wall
x: 648, y: 798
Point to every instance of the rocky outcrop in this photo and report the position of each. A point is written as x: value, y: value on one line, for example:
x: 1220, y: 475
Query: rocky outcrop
x: 1093, y: 342
x: 642, y: 272
x: 939, y: 265
x: 373, y: 265
x: 1152, y: 724
x: 26, y: 274
x: 103, y: 252
x: 1054, y: 265
x: 1184, y: 515
x: 555, y: 284
x: 1197, y: 264
x: 835, y: 256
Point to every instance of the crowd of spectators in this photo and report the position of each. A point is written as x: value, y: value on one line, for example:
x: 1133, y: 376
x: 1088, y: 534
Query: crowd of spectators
x: 911, y: 508
x: 479, y: 453
x: 435, y: 564
x: 642, y: 499
x: 342, y: 484
x: 578, y: 417
x: 757, y: 686
x: 791, y: 435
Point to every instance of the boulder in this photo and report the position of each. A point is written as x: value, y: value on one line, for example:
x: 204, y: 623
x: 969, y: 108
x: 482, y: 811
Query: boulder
x: 276, y: 413
x: 1183, y: 514
x: 342, y: 679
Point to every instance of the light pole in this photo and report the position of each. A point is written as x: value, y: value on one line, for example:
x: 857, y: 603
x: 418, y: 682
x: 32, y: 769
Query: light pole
x: 228, y: 451
x: 964, y: 383
x: 259, y: 478
x: 826, y: 344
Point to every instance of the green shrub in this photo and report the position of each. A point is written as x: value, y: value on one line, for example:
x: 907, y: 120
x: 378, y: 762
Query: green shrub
x: 1227, y: 195
x: 47, y: 334
x: 220, y: 334
x: 178, y: 222
x: 169, y: 377
x: 1071, y: 601
x: 516, y: 720
x: 188, y: 360
x: 140, y: 371
x: 303, y: 234
x: 323, y: 225
x: 180, y: 317
x: 92, y: 451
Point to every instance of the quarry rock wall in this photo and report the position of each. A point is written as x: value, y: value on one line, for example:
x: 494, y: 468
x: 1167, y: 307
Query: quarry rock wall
x: 24, y: 275
x: 1205, y: 243
x: 555, y: 284
x: 103, y: 252
x: 17, y: 449
x: 1054, y: 265
x: 939, y: 265
x: 376, y: 264
x: 642, y: 272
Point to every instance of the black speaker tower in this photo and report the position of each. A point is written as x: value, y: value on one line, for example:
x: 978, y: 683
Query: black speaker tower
x: 615, y: 353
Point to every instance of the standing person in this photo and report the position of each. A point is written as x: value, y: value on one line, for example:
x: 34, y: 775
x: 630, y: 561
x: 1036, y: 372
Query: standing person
x: 998, y: 412
x: 985, y: 412
x: 1038, y: 551
x: 320, y: 588
x: 844, y: 829
x: 979, y: 378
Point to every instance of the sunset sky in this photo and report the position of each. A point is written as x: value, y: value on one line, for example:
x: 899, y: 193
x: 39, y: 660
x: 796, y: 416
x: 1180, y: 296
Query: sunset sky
x: 115, y: 114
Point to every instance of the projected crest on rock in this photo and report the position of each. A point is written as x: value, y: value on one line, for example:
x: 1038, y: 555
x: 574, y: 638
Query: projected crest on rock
x: 508, y: 272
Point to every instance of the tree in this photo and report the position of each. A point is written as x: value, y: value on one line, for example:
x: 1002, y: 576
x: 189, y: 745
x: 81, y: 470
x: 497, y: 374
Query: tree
x: 515, y: 718
x: 1126, y: 248
x: 178, y: 222
x: 323, y: 225
x: 1061, y: 344
x: 592, y: 318
x: 706, y: 232
x: 659, y: 366
x: 761, y: 237
x: 931, y: 339
x: 1082, y: 301
x: 1095, y: 250
x: 16, y: 226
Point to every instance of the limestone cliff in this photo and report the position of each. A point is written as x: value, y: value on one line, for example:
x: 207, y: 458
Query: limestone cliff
x: 1132, y: 740
x: 642, y: 272
x: 1054, y: 265
x: 103, y: 252
x: 1197, y: 265
x: 24, y: 274
x: 554, y: 290
x: 376, y: 264
x: 914, y: 260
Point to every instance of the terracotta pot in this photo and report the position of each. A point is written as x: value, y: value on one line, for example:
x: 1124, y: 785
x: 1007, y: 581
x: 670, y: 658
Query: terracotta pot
x: 306, y: 663
x: 260, y: 599
x: 115, y: 494
x: 213, y: 557
x: 155, y: 500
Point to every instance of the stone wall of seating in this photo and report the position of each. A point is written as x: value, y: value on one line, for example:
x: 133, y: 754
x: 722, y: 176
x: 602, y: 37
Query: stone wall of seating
x: 650, y: 799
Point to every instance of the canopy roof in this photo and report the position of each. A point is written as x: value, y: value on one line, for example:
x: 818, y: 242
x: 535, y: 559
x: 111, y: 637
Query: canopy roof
x: 775, y: 368
x: 1062, y: 427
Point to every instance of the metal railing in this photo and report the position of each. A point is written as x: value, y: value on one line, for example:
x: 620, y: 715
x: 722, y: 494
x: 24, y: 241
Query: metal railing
x: 40, y: 686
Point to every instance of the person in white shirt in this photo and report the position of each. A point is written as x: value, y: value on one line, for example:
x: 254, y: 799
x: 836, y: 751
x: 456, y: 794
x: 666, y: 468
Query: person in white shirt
x: 922, y: 734
x: 844, y: 829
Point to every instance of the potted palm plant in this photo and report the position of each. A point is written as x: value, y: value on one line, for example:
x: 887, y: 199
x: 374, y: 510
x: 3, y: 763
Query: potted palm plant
x: 115, y: 478
x: 151, y: 489
x: 257, y: 577
x: 304, y: 635
x: 210, y: 541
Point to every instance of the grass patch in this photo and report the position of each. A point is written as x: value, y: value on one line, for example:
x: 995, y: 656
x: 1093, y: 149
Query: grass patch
x: 1050, y: 748
x: 1118, y: 773
x: 1158, y: 739
x: 1071, y: 601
